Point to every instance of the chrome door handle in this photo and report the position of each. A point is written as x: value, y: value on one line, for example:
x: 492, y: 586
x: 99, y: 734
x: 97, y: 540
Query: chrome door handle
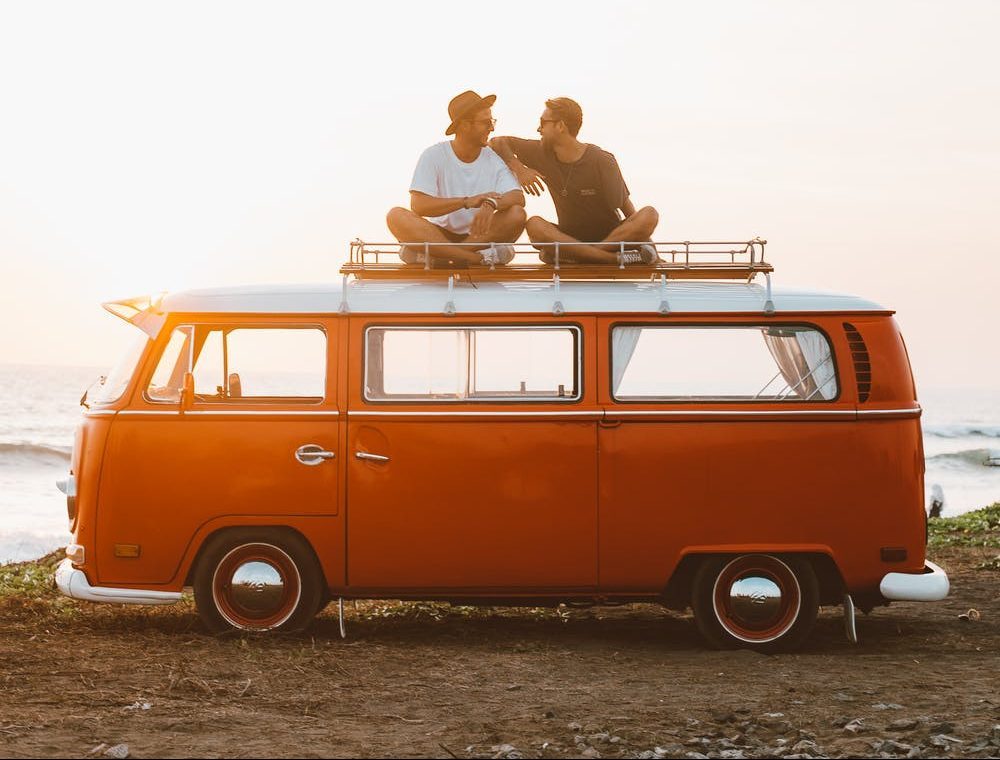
x: 371, y: 457
x: 312, y: 454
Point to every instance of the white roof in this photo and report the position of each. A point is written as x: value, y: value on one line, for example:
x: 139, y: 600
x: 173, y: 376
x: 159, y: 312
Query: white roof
x: 433, y: 297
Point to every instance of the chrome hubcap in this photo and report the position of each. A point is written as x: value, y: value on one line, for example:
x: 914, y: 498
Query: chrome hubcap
x: 258, y: 587
x: 755, y: 600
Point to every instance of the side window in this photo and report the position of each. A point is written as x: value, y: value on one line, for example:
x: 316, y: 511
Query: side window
x: 242, y: 364
x: 472, y: 364
x: 742, y: 363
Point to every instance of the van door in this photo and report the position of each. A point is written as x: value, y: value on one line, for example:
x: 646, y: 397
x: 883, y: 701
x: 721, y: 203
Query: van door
x: 472, y: 457
x: 261, y: 439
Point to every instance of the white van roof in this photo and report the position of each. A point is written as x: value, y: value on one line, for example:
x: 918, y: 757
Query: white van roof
x: 498, y: 297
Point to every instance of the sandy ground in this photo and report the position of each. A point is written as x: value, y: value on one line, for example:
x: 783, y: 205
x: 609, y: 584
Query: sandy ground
x: 427, y: 680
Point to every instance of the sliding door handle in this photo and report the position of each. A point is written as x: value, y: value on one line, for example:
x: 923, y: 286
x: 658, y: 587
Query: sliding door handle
x: 370, y: 457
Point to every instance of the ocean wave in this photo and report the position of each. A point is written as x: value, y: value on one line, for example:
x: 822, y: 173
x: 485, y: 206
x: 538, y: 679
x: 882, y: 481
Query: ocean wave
x: 38, y: 452
x: 963, y: 430
x: 969, y: 456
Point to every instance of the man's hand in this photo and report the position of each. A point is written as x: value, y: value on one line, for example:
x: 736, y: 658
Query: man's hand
x: 483, y: 219
x: 476, y: 201
x: 529, y: 179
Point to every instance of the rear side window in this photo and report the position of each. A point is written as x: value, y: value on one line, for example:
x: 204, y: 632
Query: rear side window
x: 724, y: 363
x: 242, y: 364
x: 472, y: 364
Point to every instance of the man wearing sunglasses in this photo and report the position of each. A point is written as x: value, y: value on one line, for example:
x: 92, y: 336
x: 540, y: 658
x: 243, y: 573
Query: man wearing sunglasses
x: 591, y: 198
x: 465, y: 191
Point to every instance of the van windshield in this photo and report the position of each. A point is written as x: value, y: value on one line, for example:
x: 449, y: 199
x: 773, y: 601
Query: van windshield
x: 113, y: 386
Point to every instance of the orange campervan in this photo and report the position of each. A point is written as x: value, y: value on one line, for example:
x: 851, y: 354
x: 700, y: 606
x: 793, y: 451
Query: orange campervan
x: 521, y: 435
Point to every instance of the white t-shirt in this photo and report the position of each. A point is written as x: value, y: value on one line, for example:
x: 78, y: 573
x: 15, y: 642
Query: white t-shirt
x: 441, y: 174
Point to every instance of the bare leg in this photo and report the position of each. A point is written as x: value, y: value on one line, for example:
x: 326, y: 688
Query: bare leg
x: 408, y: 227
x: 637, y: 228
x: 571, y: 250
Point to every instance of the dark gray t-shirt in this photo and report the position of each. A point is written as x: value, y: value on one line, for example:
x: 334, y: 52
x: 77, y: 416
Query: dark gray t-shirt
x: 587, y: 194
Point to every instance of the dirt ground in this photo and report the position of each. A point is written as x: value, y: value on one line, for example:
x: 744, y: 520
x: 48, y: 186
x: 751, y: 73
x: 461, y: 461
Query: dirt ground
x: 428, y: 680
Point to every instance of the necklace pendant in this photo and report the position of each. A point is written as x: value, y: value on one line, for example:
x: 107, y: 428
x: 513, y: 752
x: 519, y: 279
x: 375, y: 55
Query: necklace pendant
x: 563, y: 193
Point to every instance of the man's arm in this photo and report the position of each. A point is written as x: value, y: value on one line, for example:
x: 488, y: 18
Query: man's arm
x: 628, y: 208
x: 528, y: 178
x: 427, y: 205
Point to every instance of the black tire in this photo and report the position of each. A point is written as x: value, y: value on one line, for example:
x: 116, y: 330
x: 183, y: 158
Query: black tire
x: 755, y: 601
x: 278, y: 586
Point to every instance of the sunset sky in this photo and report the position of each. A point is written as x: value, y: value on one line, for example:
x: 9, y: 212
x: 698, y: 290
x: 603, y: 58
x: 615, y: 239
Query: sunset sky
x: 148, y: 147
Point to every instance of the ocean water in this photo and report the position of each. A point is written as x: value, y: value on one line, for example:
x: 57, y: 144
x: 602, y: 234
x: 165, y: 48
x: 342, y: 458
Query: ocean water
x: 39, y: 409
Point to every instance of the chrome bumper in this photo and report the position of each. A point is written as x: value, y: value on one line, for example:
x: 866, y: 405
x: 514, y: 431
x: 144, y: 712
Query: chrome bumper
x: 929, y: 586
x: 74, y: 583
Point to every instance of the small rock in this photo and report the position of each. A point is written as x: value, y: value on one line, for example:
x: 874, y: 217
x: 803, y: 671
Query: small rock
x: 574, y: 726
x: 698, y: 741
x: 723, y: 716
x: 943, y: 740
x: 506, y: 752
x: 648, y: 754
x: 944, y: 727
x: 99, y: 748
x: 855, y: 726
x: 732, y: 754
x: 549, y: 714
x: 887, y: 706
x: 615, y: 740
x: 840, y: 722
x: 590, y: 752
x: 841, y: 697
x: 903, y: 724
x: 994, y: 738
x: 117, y: 752
x: 696, y: 756
x: 896, y: 748
x: 805, y: 747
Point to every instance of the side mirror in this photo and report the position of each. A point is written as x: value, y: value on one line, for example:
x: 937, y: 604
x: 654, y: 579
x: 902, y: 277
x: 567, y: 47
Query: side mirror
x: 187, y: 392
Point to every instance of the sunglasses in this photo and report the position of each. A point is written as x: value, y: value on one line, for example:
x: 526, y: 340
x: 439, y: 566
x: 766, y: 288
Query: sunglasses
x: 491, y: 122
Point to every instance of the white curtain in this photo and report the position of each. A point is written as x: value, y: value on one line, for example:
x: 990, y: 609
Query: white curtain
x: 623, y: 343
x: 803, y: 356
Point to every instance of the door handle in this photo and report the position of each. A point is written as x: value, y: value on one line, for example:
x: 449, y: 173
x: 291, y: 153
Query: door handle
x: 312, y: 454
x: 370, y: 457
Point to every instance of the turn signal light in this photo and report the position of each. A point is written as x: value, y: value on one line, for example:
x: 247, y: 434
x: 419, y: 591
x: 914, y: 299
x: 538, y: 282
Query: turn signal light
x: 76, y: 554
x: 126, y: 550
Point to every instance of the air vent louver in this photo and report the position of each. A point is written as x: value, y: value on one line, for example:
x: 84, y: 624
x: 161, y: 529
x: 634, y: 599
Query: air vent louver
x: 862, y: 363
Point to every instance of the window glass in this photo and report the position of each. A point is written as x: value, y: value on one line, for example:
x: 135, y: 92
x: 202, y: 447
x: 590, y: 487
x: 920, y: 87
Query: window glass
x: 454, y: 364
x: 168, y: 377
x: 243, y: 364
x: 752, y: 363
x: 116, y: 382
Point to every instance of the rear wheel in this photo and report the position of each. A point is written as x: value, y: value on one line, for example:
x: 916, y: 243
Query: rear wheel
x: 755, y: 601
x: 258, y: 580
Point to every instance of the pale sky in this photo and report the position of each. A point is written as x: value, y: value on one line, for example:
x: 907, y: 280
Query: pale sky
x: 148, y: 147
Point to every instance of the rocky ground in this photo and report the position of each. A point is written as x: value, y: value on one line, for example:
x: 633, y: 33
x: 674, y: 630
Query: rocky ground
x: 81, y: 680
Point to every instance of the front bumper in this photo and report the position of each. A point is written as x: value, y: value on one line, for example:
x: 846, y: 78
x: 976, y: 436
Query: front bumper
x: 72, y: 582
x: 929, y: 586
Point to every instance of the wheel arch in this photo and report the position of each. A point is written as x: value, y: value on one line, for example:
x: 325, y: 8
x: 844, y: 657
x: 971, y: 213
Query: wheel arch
x: 220, y: 532
x: 677, y: 592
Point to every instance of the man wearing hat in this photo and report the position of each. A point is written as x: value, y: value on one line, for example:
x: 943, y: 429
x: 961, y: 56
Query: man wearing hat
x: 591, y: 198
x: 461, y: 192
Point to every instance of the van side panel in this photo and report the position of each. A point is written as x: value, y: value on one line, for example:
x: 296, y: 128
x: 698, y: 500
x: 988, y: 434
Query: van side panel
x: 843, y: 478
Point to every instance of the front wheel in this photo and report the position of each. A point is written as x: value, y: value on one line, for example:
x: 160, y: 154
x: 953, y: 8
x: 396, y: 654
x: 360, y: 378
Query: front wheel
x: 755, y: 601
x: 258, y: 580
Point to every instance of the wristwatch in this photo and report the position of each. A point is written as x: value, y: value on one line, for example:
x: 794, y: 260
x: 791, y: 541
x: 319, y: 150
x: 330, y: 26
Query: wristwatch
x: 492, y: 202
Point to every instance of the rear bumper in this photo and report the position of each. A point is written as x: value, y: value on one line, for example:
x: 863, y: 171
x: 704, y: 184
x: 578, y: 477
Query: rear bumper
x: 74, y: 583
x: 929, y: 586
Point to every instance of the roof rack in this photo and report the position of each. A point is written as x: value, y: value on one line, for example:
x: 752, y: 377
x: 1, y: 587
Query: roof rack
x: 687, y: 260
x: 742, y: 260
